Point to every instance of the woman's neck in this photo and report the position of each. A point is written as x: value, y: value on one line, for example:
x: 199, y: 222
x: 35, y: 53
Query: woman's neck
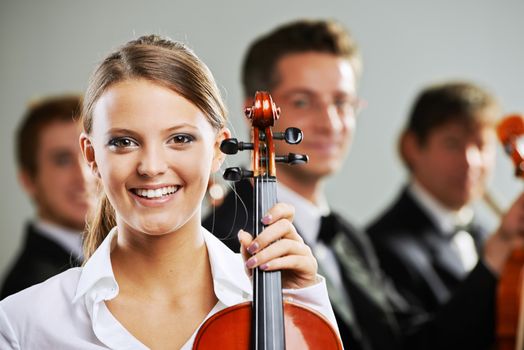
x: 165, y: 285
x: 160, y: 263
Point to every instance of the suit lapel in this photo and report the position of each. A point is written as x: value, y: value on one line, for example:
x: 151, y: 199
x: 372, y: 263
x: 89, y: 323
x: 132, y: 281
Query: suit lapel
x: 340, y: 302
x: 356, y: 271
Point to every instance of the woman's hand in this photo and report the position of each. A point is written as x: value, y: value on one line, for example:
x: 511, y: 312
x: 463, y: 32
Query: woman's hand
x: 280, y: 247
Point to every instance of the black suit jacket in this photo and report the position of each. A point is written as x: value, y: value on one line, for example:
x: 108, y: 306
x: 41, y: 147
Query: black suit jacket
x: 420, y: 260
x: 39, y: 259
x: 377, y: 317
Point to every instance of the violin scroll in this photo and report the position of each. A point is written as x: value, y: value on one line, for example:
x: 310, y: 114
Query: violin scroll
x: 263, y: 114
x: 510, y: 132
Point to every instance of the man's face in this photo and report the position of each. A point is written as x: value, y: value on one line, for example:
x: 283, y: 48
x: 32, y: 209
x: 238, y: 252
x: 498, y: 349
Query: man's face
x: 454, y: 162
x: 316, y: 93
x: 59, y: 186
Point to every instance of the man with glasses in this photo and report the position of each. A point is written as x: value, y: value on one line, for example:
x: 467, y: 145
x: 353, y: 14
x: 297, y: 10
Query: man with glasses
x: 311, y: 69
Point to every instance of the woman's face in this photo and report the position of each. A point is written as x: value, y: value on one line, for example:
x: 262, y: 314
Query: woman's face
x: 154, y: 152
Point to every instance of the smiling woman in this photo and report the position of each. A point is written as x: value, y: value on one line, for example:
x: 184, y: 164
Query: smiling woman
x: 155, y: 158
x: 153, y: 122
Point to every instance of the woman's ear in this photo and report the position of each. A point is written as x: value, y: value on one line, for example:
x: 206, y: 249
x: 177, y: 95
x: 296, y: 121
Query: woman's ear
x: 88, y: 152
x: 218, y: 157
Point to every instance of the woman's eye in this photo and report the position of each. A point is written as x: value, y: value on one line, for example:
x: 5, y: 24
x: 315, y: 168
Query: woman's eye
x: 122, y: 142
x: 182, y: 139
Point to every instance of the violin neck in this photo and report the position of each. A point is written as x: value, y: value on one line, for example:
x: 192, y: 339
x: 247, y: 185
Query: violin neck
x: 268, y: 311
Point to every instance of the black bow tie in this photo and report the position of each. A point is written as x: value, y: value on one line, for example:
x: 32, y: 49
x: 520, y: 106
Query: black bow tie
x: 328, y: 229
x: 471, y: 228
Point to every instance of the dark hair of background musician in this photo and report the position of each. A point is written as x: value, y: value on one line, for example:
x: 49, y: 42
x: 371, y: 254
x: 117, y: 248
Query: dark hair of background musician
x: 460, y: 102
x: 259, y: 68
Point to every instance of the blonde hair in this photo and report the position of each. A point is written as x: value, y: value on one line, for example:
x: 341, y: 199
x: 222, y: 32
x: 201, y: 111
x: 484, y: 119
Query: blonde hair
x: 164, y: 62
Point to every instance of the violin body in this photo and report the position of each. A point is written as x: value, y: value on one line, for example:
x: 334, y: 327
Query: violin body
x: 509, y: 301
x: 231, y: 329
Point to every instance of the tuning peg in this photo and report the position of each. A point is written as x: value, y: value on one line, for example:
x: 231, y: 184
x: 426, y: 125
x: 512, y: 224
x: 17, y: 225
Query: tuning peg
x: 248, y: 112
x: 236, y: 174
x: 291, y: 135
x: 292, y: 158
x: 232, y: 146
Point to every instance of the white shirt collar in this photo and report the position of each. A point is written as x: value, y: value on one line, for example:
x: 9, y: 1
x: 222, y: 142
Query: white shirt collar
x: 445, y: 219
x: 70, y: 240
x: 98, y: 278
x: 307, y: 214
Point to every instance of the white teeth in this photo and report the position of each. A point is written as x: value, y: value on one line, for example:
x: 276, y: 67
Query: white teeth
x: 159, y: 192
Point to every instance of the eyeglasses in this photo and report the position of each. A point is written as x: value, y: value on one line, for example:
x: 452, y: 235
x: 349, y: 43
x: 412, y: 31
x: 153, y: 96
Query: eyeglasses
x: 308, y: 103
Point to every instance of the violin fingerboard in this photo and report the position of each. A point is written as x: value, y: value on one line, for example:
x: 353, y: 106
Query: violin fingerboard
x: 268, y: 311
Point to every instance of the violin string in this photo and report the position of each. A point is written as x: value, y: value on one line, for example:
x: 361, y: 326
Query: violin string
x: 256, y: 226
x: 266, y: 207
x: 272, y: 287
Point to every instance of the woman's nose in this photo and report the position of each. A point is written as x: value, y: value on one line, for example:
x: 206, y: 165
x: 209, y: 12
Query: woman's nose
x: 152, y: 162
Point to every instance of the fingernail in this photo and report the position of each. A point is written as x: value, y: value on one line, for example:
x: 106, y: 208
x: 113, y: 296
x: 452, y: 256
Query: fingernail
x: 264, y: 266
x: 251, y: 262
x: 266, y: 219
x: 253, y: 248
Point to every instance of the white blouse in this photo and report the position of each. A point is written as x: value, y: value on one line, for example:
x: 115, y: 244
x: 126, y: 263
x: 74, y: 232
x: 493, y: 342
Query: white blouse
x: 68, y: 311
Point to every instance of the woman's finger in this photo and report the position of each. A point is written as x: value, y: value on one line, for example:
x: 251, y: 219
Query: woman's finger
x: 281, y: 229
x: 277, y: 212
x: 277, y: 250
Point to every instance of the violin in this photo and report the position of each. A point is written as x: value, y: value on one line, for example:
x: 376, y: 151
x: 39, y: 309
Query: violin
x: 510, y: 308
x: 268, y: 322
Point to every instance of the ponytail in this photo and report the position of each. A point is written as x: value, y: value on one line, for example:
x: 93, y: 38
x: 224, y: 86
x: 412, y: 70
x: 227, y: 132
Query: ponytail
x: 103, y: 220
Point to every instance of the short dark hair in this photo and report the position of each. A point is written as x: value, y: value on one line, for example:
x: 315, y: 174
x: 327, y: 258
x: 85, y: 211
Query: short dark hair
x: 460, y: 102
x: 328, y: 36
x: 64, y: 108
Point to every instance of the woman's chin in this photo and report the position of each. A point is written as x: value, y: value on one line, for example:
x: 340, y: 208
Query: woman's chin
x: 157, y: 228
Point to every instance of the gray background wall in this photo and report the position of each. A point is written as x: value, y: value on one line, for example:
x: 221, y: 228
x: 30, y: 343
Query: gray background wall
x: 50, y: 47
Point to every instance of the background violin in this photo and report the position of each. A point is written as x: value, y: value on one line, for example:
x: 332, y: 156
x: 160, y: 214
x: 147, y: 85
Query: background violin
x: 267, y: 322
x: 510, y: 313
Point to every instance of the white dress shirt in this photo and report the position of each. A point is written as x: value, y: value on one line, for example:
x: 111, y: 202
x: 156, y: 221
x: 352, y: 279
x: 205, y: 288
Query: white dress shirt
x: 446, y: 221
x: 307, y: 221
x: 68, y: 311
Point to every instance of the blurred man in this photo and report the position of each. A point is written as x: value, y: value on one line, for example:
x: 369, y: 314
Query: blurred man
x: 311, y: 69
x: 428, y: 241
x: 51, y: 172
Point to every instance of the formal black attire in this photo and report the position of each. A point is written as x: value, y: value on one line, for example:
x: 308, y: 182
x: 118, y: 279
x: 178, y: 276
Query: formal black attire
x: 421, y: 259
x: 39, y: 259
x: 376, y: 317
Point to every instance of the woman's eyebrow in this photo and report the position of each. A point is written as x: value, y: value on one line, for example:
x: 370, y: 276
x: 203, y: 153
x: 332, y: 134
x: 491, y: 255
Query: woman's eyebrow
x: 125, y: 131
